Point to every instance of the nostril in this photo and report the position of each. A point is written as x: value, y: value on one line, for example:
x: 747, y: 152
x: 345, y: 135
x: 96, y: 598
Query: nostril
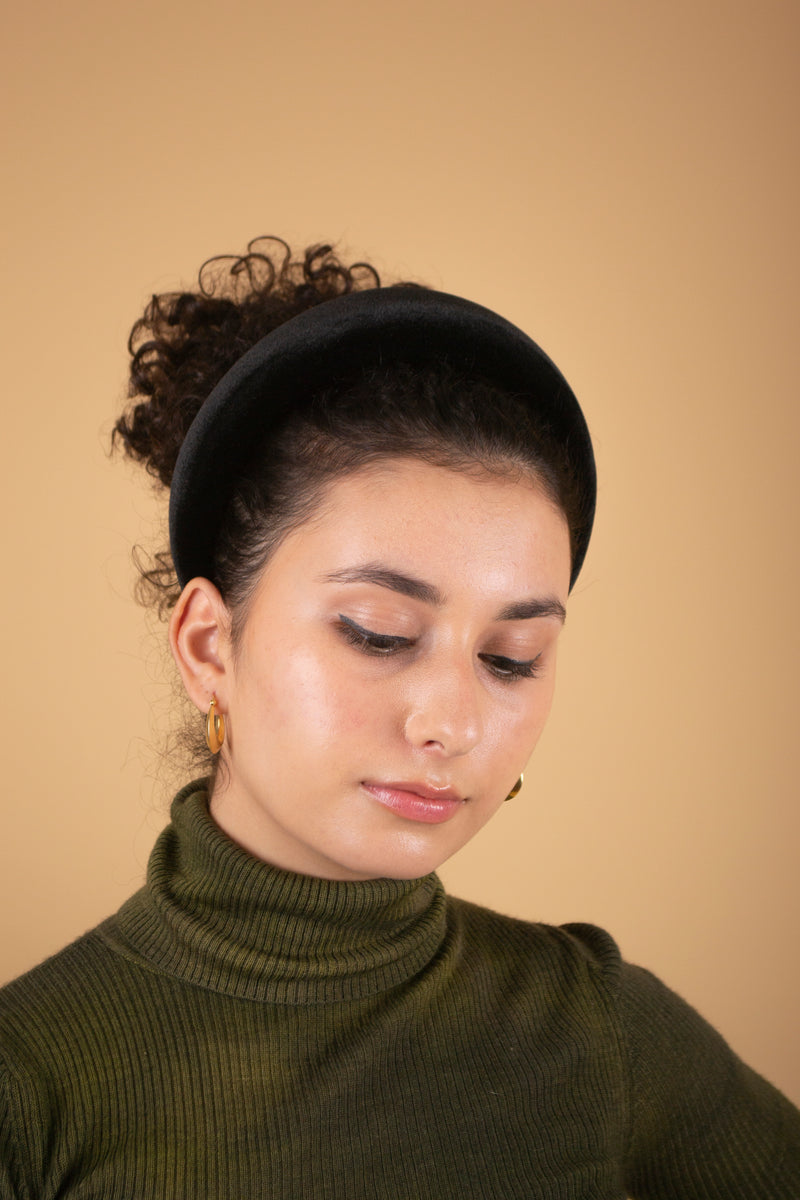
x: 449, y: 730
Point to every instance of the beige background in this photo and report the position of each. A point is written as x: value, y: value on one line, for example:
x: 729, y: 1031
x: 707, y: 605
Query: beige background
x: 620, y: 179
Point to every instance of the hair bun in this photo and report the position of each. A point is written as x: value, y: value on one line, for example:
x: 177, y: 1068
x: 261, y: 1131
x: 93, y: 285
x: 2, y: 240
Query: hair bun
x: 186, y: 341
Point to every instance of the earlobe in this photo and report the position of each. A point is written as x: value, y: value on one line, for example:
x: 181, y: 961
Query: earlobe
x: 199, y: 640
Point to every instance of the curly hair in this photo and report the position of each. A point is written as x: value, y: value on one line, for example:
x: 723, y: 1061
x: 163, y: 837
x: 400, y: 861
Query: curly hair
x: 184, y: 342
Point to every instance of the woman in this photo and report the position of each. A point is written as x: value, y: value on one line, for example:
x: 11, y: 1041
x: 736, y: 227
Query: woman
x: 379, y: 501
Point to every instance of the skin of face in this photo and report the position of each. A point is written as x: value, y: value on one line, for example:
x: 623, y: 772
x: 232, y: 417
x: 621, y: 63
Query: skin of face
x: 341, y: 684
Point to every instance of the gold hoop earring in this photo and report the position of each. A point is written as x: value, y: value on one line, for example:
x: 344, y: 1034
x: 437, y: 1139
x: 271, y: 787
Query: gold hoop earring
x: 515, y: 790
x: 215, y: 728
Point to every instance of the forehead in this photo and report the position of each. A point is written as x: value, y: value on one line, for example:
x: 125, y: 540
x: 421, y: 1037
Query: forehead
x: 452, y: 528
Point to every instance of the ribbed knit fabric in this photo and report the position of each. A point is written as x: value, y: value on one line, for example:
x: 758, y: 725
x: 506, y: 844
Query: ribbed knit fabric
x: 239, y: 1032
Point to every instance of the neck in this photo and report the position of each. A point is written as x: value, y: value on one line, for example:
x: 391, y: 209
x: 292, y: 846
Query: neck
x: 218, y: 917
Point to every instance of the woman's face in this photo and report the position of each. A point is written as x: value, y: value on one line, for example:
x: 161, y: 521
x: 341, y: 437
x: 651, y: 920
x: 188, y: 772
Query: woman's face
x: 394, y: 672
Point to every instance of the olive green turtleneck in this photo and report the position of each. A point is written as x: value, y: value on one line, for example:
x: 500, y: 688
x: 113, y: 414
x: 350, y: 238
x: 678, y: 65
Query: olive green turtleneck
x: 236, y: 1031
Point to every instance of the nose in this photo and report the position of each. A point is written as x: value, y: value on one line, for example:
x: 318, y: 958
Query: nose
x: 444, y: 711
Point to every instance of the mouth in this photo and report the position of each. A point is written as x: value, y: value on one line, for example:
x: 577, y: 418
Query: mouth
x: 416, y: 801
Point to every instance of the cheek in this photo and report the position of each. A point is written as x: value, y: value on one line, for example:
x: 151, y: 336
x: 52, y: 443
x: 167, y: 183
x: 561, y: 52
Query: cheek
x: 317, y: 695
x: 521, y: 729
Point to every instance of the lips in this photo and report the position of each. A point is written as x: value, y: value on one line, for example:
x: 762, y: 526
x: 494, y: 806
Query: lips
x: 416, y: 801
x: 426, y: 790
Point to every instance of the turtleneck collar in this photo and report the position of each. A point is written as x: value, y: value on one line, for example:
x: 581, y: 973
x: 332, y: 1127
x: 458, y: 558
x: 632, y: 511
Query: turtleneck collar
x: 215, y: 916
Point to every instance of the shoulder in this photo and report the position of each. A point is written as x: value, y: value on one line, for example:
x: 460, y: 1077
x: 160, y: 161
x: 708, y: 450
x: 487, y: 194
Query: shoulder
x: 81, y: 961
x: 558, y: 983
x: 71, y: 1031
x: 691, y: 1106
x: 52, y: 983
x: 49, y: 1024
x: 578, y: 968
x: 565, y: 951
x: 77, y: 998
x: 584, y: 961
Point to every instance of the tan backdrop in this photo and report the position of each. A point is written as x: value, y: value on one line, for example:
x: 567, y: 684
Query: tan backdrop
x: 618, y: 178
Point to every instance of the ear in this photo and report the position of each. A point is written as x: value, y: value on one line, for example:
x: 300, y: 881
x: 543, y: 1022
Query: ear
x: 199, y: 637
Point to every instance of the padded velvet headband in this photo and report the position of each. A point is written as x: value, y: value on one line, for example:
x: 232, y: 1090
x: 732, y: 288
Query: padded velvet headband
x: 376, y: 326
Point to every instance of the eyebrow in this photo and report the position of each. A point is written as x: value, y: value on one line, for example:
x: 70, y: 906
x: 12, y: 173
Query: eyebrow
x: 524, y: 610
x: 406, y: 585
x: 418, y: 589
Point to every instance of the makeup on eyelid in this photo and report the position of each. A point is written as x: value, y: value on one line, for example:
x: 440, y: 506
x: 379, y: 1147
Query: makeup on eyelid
x: 370, y: 640
x: 386, y: 645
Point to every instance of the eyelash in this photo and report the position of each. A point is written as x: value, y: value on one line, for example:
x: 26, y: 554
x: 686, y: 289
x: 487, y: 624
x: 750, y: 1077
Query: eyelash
x: 382, y: 645
x: 379, y: 644
x: 511, y: 668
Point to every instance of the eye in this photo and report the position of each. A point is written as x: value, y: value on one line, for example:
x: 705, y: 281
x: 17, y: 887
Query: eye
x: 369, y: 642
x: 511, y: 668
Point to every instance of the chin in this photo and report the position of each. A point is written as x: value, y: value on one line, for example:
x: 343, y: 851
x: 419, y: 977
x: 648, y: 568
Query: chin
x: 396, y: 864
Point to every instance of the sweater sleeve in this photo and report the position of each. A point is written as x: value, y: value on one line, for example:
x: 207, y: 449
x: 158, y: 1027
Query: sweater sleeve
x: 703, y: 1125
x: 11, y: 1185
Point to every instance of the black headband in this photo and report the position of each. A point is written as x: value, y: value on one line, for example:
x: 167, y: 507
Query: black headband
x: 376, y: 326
